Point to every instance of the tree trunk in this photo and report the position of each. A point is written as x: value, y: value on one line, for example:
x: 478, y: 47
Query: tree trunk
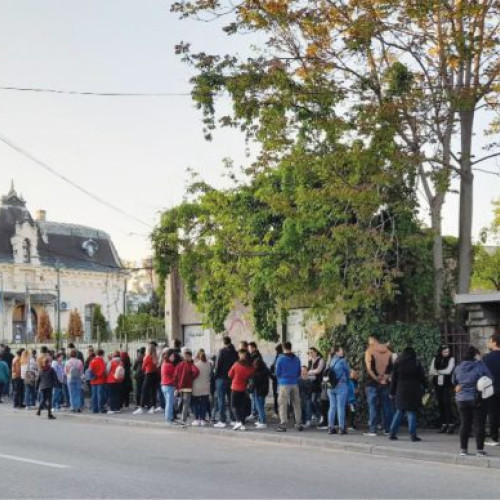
x: 466, y: 203
x: 437, y: 254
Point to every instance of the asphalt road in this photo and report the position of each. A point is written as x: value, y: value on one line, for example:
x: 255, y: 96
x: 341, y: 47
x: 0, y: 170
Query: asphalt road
x: 67, y: 459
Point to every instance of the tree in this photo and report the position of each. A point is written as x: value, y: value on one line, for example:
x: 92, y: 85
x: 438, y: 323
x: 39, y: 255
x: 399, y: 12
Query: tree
x: 428, y: 66
x: 75, y: 326
x: 486, y: 269
x: 99, y: 324
x: 44, y: 332
x: 139, y: 326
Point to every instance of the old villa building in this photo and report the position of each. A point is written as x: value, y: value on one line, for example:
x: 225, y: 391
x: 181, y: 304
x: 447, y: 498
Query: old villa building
x: 36, y: 255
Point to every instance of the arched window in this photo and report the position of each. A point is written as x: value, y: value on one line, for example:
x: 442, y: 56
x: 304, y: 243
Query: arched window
x: 26, y: 251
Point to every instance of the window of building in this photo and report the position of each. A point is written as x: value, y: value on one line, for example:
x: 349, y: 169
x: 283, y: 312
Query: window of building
x: 26, y: 251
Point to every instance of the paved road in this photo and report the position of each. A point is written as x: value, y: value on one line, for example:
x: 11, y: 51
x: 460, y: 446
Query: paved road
x: 67, y: 459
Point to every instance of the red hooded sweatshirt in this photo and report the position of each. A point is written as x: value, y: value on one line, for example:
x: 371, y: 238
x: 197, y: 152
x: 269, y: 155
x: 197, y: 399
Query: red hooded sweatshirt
x: 98, y: 368
x: 185, y: 373
x: 240, y: 374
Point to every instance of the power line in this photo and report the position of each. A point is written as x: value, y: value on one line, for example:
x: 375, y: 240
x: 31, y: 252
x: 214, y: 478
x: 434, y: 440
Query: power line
x: 41, y: 90
x: 53, y: 171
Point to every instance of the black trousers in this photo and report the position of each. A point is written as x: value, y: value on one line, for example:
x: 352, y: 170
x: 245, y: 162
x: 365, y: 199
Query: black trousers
x: 240, y: 404
x: 470, y: 414
x: 445, y: 405
x: 18, y: 392
x: 494, y: 415
x: 114, y: 392
x: 139, y: 382
x: 148, y: 395
x: 275, y: 395
x: 46, y: 402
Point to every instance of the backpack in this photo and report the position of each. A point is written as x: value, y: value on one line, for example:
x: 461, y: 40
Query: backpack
x: 74, y: 373
x: 90, y: 375
x: 330, y: 379
x: 119, y: 373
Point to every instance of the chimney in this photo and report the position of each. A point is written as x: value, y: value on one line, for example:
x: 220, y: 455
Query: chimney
x: 41, y: 215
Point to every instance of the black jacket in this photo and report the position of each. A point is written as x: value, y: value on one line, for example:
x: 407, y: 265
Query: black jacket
x: 226, y: 358
x: 261, y: 381
x: 492, y: 361
x: 408, y: 383
x: 48, y: 379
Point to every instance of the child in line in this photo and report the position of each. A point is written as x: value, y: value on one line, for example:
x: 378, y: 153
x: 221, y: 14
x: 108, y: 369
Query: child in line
x: 352, y: 400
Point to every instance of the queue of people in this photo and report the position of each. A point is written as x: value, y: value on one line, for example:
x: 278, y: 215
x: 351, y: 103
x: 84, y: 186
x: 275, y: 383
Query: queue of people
x: 232, y: 387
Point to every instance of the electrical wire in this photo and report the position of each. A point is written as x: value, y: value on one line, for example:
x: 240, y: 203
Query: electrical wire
x: 53, y: 171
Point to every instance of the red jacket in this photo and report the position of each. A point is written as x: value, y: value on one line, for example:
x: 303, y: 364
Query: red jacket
x: 115, y: 363
x: 98, y: 368
x: 147, y: 365
x: 167, y: 373
x: 185, y: 373
x: 240, y: 374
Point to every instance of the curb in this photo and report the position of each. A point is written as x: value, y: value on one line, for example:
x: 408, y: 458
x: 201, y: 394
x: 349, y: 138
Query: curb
x: 303, y: 440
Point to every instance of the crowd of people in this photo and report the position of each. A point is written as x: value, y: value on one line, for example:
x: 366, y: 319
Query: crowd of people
x: 232, y: 388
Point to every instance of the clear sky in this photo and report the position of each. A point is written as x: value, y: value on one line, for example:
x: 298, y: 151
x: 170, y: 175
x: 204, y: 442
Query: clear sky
x: 134, y: 152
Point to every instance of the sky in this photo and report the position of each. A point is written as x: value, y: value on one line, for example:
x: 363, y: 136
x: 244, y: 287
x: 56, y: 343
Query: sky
x: 134, y: 152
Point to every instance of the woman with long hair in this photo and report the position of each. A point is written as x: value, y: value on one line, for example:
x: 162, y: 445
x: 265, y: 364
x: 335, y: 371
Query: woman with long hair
x: 29, y: 375
x: 148, y: 393
x: 339, y: 371
x: 201, y: 388
x: 407, y: 388
x: 441, y: 370
x: 169, y: 361
x: 315, y: 367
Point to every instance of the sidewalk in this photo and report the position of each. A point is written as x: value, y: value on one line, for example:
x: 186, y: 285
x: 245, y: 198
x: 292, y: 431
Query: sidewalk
x: 434, y: 447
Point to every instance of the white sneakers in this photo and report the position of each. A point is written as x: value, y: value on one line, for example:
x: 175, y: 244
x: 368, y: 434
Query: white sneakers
x: 158, y: 409
x: 220, y: 425
x: 258, y: 425
x: 151, y: 411
x: 196, y: 423
x: 202, y: 423
x: 490, y: 442
x: 139, y: 411
x: 237, y: 426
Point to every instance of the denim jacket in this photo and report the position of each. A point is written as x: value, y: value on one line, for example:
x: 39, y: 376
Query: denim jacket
x: 341, y: 368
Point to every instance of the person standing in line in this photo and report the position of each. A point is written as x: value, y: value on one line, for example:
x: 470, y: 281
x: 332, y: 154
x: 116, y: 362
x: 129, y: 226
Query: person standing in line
x: 17, y: 381
x: 338, y: 376
x: 138, y: 375
x: 352, y: 399
x: 316, y: 367
x: 127, y: 386
x: 201, y: 388
x: 240, y: 373
x: 441, y: 369
x: 260, y: 382
x: 288, y: 370
x: 225, y: 360
x: 47, y: 380
x: 114, y: 379
x: 407, y: 389
x: 58, y: 368
x: 254, y: 354
x: 74, y: 374
x: 148, y: 394
x: 98, y: 379
x: 7, y: 357
x: 29, y: 374
x: 274, y: 380
x: 492, y: 361
x: 184, y: 376
x: 4, y: 375
x: 169, y: 361
x: 306, y: 388
x: 378, y: 365
x: 471, y: 406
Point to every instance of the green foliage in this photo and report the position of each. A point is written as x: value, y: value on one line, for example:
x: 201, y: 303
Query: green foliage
x: 139, y: 326
x: 486, y: 269
x: 100, y: 330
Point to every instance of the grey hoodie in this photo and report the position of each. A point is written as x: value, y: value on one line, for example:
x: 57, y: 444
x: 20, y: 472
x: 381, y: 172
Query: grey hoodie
x: 466, y: 376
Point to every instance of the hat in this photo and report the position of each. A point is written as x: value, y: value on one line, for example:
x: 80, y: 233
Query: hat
x: 187, y: 351
x: 485, y: 387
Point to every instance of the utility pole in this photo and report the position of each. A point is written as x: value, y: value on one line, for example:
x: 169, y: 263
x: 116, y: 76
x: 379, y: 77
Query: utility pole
x: 58, y: 287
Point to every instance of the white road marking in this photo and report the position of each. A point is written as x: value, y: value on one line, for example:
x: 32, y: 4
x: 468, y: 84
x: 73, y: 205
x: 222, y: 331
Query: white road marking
x: 34, y: 462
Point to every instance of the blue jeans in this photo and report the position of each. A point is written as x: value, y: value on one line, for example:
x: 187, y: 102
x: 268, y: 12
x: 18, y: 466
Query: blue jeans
x: 168, y: 393
x: 378, y: 396
x: 412, y: 422
x: 307, y: 409
x: 260, y: 405
x: 222, y: 390
x: 98, y: 397
x: 75, y: 394
x: 338, y: 402
x: 29, y: 395
x: 56, y: 398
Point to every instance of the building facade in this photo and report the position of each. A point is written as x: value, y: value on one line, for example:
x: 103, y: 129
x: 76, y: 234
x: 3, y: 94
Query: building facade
x: 55, y: 267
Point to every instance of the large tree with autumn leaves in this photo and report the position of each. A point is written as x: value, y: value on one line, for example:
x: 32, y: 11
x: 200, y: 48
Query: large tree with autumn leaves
x: 425, y: 66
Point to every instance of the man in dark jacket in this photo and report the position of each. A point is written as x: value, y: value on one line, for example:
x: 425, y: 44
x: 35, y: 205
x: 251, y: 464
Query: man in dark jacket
x: 492, y: 361
x: 7, y: 357
x: 225, y: 360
